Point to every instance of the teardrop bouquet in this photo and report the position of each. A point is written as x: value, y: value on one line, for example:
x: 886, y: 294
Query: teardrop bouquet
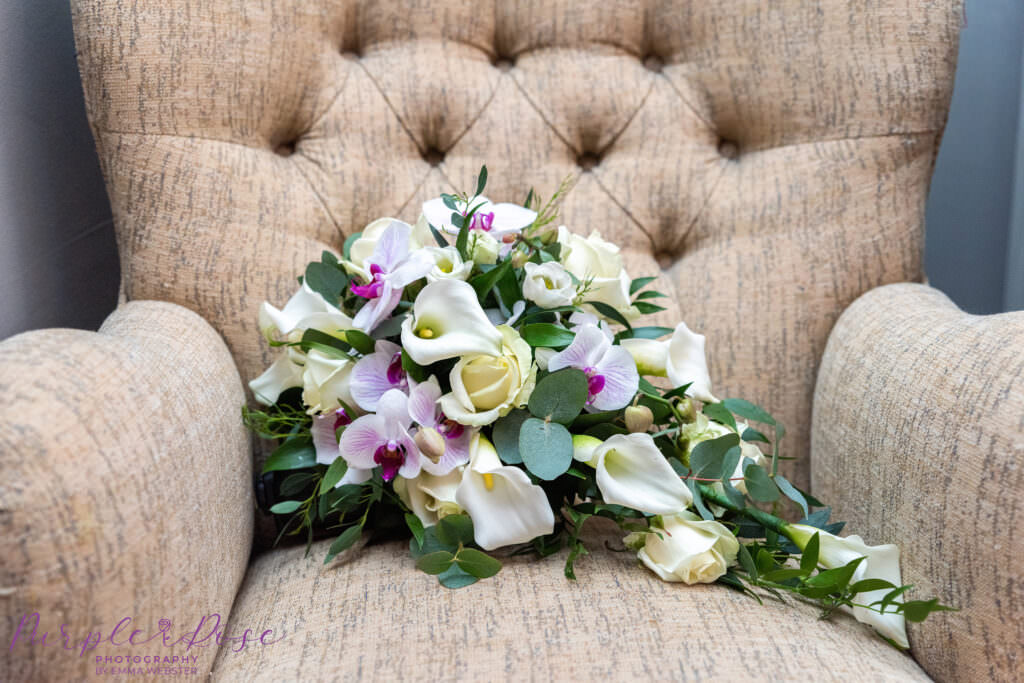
x: 482, y: 374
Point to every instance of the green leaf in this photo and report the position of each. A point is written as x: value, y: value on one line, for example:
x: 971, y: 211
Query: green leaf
x: 560, y: 396
x: 780, y: 575
x: 639, y: 283
x: 649, y: 389
x: 449, y: 201
x: 748, y: 410
x: 649, y: 332
x: 918, y: 610
x: 430, y: 544
x: 462, y: 240
x: 327, y: 280
x: 506, y: 436
x: 436, y: 562
x: 416, y: 527
x: 294, y: 454
x: 867, y: 585
x: 647, y: 308
x: 412, y: 368
x: 294, y: 483
x: 707, y: 461
x: 809, y: 557
x: 546, y: 448
x: 719, y: 413
x: 836, y: 579
x: 587, y: 420
x: 760, y: 486
x: 751, y: 434
x: 747, y: 562
x: 324, y: 342
x: 454, y: 577
x: 698, y: 500
x: 346, y: 249
x: 792, y: 493
x: 285, y: 507
x: 343, y: 542
x: 651, y: 294
x: 438, y: 237
x: 479, y: 564
x: 454, y: 530
x: 360, y: 341
x: 546, y: 334
x: 333, y: 475
x: 610, y: 312
x: 481, y: 181
x: 483, y: 282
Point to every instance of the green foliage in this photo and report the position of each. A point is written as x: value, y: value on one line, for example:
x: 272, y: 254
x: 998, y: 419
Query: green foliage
x: 415, y: 528
x: 455, y: 530
x: 476, y: 563
x: 505, y: 435
x: 560, y: 396
x: 345, y: 541
x: 295, y: 453
x: 546, y: 448
x: 436, y: 562
x: 546, y: 334
x: 334, y: 473
x: 760, y: 486
x: 327, y: 279
x: 286, y: 506
x: 719, y: 413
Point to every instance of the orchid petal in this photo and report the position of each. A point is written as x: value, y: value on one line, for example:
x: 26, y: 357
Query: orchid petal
x: 282, y: 374
x: 354, y: 475
x: 621, y: 380
x: 686, y: 363
x: 361, y: 439
x: 393, y: 246
x: 585, y: 351
x: 423, y: 408
x: 370, y: 375
x: 447, y: 321
x: 394, y: 408
x: 631, y: 471
x: 376, y: 310
x: 511, y: 217
x: 416, y: 266
x: 437, y: 214
x: 324, y: 440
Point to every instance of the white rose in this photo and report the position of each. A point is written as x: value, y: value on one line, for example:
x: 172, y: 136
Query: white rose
x: 448, y: 265
x: 430, y: 496
x: 548, y: 285
x: 598, y: 261
x: 486, y: 387
x: 326, y: 382
x: 689, y: 549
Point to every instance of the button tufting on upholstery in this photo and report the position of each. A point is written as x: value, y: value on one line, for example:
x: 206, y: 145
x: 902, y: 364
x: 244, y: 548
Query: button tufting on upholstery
x: 665, y: 260
x: 285, y: 149
x: 433, y: 156
x: 654, y: 63
x: 351, y: 54
x: 728, y: 149
x: 503, y: 63
x: 587, y: 161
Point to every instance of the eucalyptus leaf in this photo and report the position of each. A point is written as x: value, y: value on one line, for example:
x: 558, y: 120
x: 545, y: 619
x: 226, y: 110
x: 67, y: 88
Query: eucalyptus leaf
x: 746, y: 409
x: 760, y: 486
x: 546, y: 448
x: 326, y: 280
x: 719, y: 413
x: 455, y: 577
x: 546, y: 334
x: 453, y: 530
x: 285, y: 507
x: 506, y: 436
x: 479, y: 564
x: 436, y: 562
x: 560, y: 396
x: 707, y: 461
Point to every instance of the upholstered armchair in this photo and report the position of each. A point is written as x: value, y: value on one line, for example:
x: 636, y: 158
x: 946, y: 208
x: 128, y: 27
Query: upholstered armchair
x: 769, y: 160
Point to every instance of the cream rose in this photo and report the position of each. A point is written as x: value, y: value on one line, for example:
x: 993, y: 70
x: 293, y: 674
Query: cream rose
x: 689, y: 549
x: 548, y: 285
x: 598, y: 261
x: 326, y: 382
x: 431, y: 497
x: 486, y: 387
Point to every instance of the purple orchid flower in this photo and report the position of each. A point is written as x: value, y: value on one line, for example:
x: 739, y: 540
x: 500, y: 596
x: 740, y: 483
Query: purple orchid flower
x: 324, y: 430
x: 612, y: 378
x: 425, y: 411
x: 391, y: 269
x: 377, y: 373
x: 382, y: 439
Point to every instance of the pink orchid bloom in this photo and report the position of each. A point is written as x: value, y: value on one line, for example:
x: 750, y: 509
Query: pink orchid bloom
x: 377, y: 373
x: 612, y: 377
x: 425, y: 411
x: 392, y: 267
x: 324, y: 429
x: 501, y: 220
x: 382, y: 439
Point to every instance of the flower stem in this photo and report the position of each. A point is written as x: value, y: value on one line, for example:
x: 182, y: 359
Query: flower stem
x: 766, y: 520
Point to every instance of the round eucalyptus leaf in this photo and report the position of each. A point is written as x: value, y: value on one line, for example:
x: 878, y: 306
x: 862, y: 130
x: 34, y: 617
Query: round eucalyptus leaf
x: 546, y: 448
x: 560, y: 396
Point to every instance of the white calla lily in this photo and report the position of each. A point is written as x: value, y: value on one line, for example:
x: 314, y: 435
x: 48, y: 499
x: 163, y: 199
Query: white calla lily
x: 283, y: 374
x: 306, y: 309
x: 631, y: 471
x: 505, y: 507
x: 448, y: 321
x: 681, y: 359
x: 881, y: 562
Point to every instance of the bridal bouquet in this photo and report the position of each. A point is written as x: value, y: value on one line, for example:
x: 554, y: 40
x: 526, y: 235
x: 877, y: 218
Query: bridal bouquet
x: 481, y: 375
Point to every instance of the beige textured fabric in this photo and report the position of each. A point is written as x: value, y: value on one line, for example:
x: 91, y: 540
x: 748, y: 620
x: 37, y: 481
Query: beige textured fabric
x: 772, y: 160
x: 125, y: 486
x: 919, y: 439
x: 378, y: 618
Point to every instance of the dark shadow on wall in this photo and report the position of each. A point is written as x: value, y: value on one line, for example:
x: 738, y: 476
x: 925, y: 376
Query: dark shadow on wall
x: 58, y: 259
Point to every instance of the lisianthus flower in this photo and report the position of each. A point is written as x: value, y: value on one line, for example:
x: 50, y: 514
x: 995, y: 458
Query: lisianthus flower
x: 612, y: 378
x: 383, y: 439
x: 497, y: 220
x: 448, y: 265
x: 391, y: 267
x: 683, y: 547
x: 377, y: 373
x: 504, y: 505
x: 426, y: 413
x: 548, y: 285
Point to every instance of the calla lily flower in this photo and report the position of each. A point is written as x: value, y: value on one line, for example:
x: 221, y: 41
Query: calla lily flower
x: 306, y: 309
x: 447, y: 321
x: 882, y: 562
x: 383, y: 439
x: 504, y: 506
x: 681, y: 359
x: 391, y: 267
x: 612, y: 377
x: 377, y: 373
x: 425, y: 412
x: 631, y: 471
x: 496, y: 219
x: 284, y: 373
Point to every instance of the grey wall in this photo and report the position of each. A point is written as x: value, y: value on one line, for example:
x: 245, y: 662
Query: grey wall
x: 58, y: 263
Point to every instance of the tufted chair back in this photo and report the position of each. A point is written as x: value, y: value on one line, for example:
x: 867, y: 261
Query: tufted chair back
x: 769, y: 160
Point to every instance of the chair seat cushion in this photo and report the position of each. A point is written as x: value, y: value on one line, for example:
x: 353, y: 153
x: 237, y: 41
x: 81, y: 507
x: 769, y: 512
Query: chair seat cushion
x: 375, y: 616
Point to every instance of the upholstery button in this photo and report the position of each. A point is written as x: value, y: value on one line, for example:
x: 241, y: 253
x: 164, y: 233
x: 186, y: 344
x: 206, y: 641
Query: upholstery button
x: 654, y: 63
x: 503, y: 63
x: 587, y: 161
x: 285, y: 149
x: 728, y: 149
x: 665, y: 260
x: 433, y: 156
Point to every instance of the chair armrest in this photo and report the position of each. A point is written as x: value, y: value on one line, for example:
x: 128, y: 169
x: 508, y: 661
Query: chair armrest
x: 918, y: 439
x: 125, y: 489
